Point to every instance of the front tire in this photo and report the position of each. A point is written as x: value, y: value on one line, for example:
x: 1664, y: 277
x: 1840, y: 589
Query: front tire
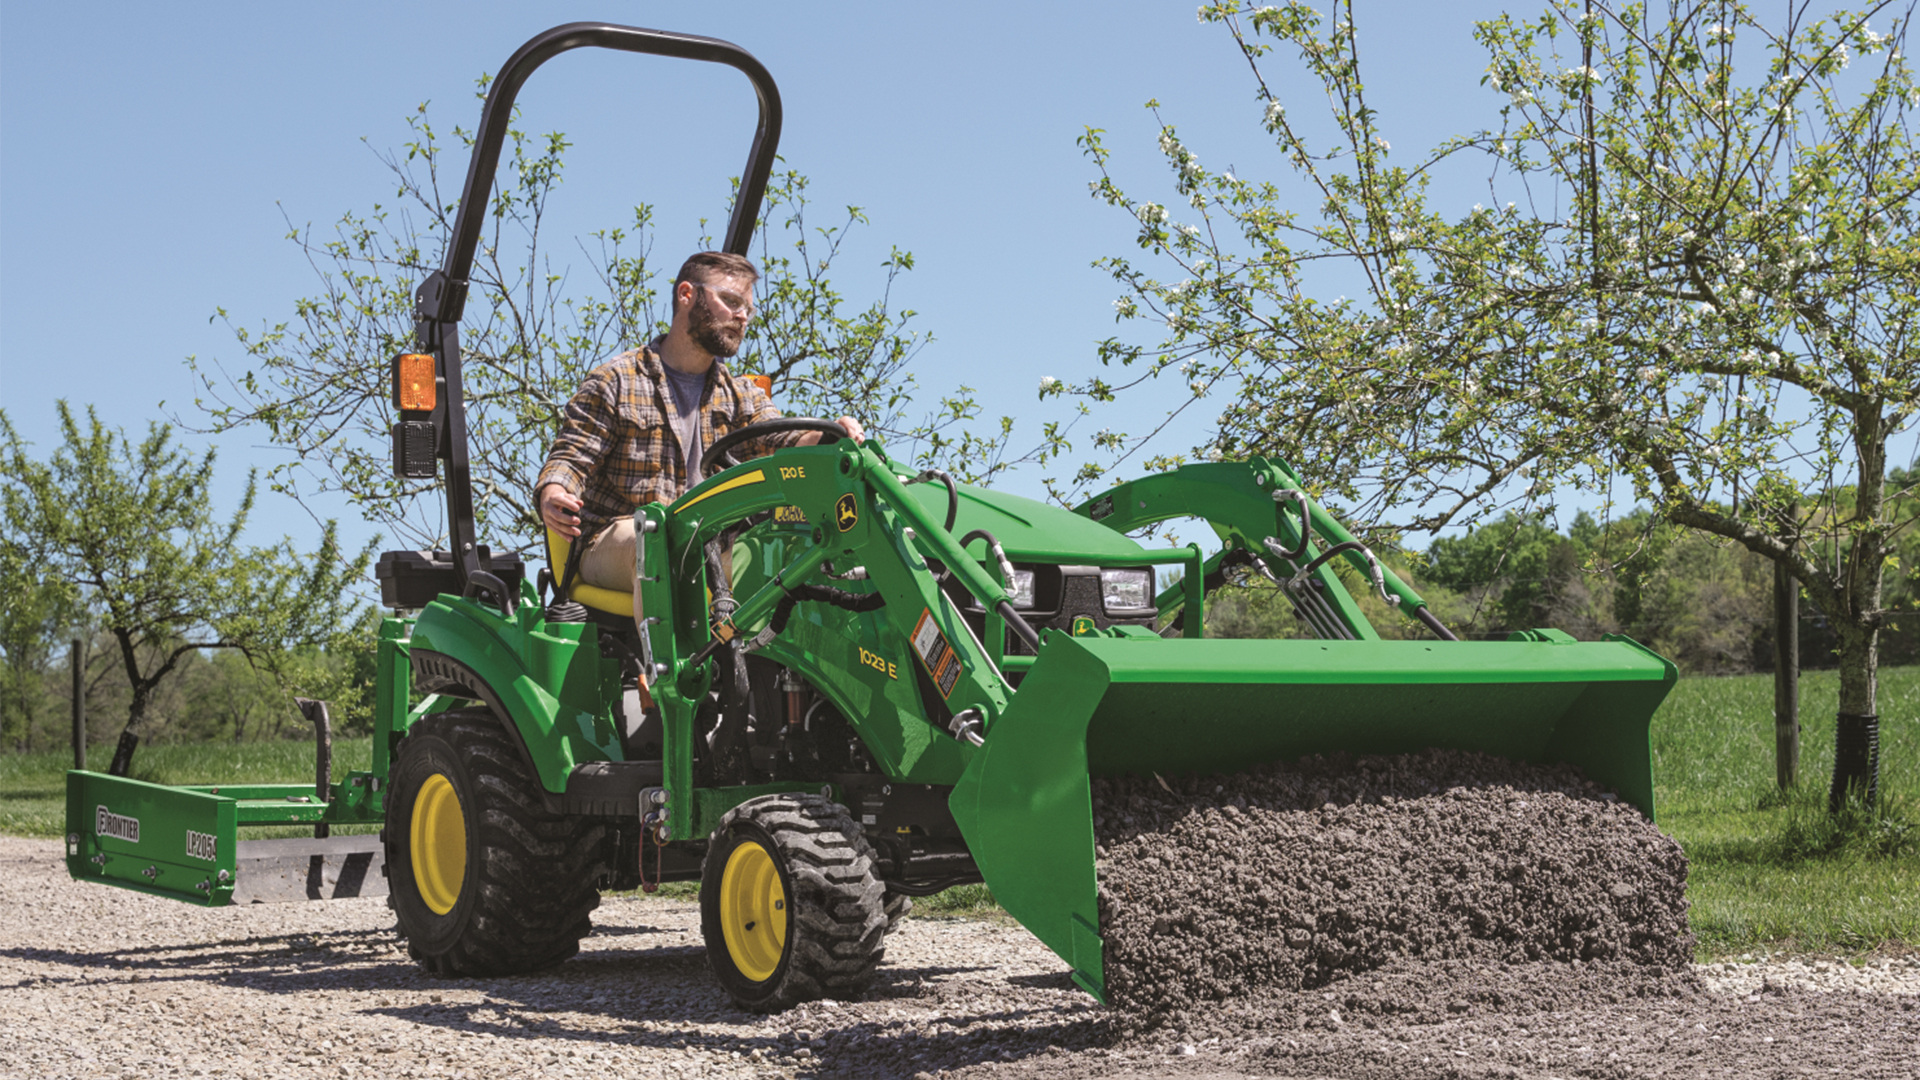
x: 791, y: 905
x: 484, y: 880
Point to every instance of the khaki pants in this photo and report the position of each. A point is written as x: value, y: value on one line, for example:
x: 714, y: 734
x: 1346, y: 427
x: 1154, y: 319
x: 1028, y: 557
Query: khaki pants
x: 608, y: 562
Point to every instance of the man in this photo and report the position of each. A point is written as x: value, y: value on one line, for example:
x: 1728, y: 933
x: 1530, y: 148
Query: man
x: 634, y: 432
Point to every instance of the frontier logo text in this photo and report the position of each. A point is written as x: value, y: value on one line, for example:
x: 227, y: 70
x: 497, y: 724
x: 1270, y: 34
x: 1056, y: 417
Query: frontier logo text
x: 118, y: 826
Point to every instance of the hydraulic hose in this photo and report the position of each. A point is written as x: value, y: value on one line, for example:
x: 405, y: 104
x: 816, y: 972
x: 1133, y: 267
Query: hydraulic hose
x: 953, y: 494
x: 1004, y: 608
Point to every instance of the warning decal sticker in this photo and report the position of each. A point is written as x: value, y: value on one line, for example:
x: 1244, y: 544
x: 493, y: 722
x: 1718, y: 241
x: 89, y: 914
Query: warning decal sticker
x: 931, y: 647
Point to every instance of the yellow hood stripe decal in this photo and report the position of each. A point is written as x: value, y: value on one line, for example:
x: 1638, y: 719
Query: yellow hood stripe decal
x: 753, y: 477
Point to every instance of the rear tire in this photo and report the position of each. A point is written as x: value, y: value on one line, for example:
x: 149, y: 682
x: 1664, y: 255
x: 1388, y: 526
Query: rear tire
x: 484, y: 880
x: 791, y: 905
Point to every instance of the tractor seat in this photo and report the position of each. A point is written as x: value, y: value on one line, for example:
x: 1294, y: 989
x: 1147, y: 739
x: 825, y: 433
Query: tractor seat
x: 606, y: 601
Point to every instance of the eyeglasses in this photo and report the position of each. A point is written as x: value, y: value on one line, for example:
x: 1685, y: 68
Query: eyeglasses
x: 733, y: 301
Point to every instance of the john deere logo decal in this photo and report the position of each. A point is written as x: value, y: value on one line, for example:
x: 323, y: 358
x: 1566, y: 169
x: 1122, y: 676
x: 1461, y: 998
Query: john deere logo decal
x: 1082, y: 625
x: 846, y: 513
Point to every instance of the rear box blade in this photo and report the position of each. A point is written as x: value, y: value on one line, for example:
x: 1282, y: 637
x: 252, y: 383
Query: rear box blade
x: 183, y: 844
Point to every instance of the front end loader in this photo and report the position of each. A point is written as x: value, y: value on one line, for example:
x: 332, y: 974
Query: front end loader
x: 854, y: 682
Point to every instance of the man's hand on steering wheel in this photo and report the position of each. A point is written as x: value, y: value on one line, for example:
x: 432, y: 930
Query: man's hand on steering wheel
x: 847, y: 423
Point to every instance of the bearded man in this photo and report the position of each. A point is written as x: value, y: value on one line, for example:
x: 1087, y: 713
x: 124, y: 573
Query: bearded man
x: 634, y: 432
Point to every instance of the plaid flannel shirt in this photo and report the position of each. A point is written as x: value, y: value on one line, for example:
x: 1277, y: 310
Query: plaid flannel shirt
x: 617, y: 449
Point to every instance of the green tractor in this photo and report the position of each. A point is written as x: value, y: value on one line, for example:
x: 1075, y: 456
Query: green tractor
x: 902, y: 684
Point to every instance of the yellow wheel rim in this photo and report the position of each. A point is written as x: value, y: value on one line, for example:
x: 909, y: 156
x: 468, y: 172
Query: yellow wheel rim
x: 439, y: 844
x: 753, y: 911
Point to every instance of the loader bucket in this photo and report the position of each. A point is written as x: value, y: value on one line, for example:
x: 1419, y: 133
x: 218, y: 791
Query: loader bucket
x: 1101, y: 707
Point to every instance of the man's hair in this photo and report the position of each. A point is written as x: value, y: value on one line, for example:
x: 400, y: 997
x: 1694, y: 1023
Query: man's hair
x: 701, y: 266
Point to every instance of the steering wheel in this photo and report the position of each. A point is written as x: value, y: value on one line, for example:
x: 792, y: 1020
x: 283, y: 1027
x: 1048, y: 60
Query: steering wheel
x: 721, y: 452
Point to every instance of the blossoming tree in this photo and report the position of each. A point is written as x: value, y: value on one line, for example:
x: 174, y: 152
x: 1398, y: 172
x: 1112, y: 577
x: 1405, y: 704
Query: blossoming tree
x: 1704, y: 290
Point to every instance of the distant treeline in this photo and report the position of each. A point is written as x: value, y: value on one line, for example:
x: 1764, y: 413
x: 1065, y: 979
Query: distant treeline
x: 212, y: 696
x: 1704, y: 604
x: 1701, y: 602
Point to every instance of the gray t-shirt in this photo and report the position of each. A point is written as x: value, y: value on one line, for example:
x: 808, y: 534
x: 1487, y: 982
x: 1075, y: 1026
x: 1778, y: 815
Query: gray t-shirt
x: 686, y: 402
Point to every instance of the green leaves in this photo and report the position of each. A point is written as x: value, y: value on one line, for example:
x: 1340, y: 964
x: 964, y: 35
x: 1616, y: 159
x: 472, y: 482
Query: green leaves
x: 127, y: 530
x: 317, y: 383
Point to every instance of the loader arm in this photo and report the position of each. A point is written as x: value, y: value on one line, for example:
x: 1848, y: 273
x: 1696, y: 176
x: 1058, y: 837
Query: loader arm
x: 940, y: 683
x: 1262, y: 514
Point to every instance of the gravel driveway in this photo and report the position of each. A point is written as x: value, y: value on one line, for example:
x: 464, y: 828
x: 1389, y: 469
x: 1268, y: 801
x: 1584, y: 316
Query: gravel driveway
x: 100, y: 982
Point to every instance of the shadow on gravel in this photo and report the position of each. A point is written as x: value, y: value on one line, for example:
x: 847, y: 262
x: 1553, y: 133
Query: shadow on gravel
x: 914, y: 1018
x: 627, y: 992
x: 214, y: 957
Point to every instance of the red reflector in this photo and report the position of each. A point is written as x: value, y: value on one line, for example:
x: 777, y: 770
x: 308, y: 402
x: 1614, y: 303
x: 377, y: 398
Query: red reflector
x: 413, y: 382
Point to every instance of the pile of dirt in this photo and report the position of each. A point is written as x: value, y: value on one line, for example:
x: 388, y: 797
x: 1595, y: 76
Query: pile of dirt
x: 1254, y: 887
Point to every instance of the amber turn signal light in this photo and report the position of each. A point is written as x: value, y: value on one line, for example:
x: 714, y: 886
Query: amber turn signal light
x: 764, y: 382
x: 413, y: 382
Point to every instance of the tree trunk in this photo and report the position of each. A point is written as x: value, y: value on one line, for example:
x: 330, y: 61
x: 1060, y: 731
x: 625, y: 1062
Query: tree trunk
x: 1786, y: 677
x: 1856, y: 740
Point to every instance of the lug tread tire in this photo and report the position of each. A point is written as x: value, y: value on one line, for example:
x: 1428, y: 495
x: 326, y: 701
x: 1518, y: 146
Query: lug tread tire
x: 838, y: 903
x: 899, y: 906
x: 533, y: 872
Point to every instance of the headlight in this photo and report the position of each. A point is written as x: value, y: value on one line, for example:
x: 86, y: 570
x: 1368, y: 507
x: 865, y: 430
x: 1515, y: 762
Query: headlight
x: 1131, y: 588
x: 1022, y: 588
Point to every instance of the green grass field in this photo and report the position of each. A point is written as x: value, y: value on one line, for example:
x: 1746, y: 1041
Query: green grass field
x: 1769, y: 871
x: 1766, y: 874
x: 33, y: 789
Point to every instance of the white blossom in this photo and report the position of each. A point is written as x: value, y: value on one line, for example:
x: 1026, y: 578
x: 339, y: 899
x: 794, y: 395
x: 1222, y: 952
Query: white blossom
x: 1382, y: 143
x: 1275, y: 111
x: 1649, y: 373
x: 1048, y: 382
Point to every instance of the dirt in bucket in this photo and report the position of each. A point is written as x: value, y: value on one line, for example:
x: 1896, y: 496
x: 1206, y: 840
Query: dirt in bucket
x: 1226, y: 895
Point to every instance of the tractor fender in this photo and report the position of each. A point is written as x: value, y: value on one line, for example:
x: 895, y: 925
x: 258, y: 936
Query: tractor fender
x: 547, y: 689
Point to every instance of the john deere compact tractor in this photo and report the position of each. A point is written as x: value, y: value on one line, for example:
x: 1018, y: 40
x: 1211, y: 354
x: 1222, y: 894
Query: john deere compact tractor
x: 900, y: 684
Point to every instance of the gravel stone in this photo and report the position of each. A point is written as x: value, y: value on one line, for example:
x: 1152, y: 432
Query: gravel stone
x: 102, y: 982
x: 1286, y: 877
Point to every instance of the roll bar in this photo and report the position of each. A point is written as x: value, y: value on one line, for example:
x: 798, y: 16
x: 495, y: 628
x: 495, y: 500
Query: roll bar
x: 441, y: 299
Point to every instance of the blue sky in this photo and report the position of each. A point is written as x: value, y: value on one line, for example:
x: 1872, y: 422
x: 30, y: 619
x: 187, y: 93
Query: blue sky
x: 152, y: 155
